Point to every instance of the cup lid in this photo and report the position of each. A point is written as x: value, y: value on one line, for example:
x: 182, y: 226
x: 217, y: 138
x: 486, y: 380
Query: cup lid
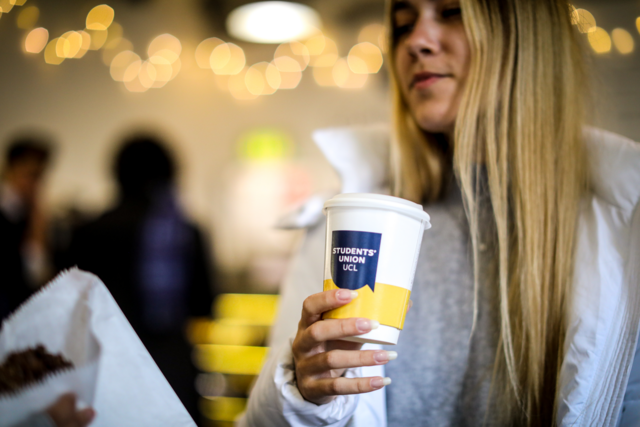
x: 378, y: 201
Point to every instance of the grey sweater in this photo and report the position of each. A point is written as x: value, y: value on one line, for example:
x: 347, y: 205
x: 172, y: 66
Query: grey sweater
x: 443, y: 373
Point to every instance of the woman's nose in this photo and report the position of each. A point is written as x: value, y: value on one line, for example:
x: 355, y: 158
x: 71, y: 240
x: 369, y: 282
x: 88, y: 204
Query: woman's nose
x: 425, y: 38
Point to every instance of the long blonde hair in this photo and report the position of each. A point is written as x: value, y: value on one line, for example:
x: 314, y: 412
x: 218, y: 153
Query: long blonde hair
x: 522, y: 113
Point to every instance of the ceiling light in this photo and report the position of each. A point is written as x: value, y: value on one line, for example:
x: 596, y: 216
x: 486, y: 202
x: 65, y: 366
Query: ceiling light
x: 272, y: 22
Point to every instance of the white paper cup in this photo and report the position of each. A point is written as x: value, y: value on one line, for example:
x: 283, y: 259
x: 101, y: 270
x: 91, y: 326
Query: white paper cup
x: 372, y: 247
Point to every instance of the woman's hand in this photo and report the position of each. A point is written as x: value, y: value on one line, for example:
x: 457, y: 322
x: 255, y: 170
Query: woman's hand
x: 321, y: 358
x: 64, y: 413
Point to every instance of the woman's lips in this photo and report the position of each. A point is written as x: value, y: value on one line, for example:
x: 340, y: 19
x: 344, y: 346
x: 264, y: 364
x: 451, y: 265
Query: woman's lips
x: 426, y: 79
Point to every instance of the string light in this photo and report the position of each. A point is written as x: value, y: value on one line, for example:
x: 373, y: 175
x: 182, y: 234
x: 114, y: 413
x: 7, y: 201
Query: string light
x: 111, y: 50
x: 345, y: 78
x: 69, y: 44
x: 98, y: 38
x: 121, y: 66
x: 374, y: 34
x: 227, y: 59
x: 238, y: 87
x: 86, y: 44
x: 6, y: 6
x: 114, y: 35
x: 294, y: 50
x: 50, y: 56
x: 100, y: 17
x: 623, y: 41
x: 324, y: 76
x: 600, y: 40
x: 365, y: 58
x: 203, y: 52
x: 328, y: 56
x: 28, y: 18
x: 36, y: 40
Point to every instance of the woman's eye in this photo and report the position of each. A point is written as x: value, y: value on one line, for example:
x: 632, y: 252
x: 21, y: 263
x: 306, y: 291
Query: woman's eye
x: 401, y: 30
x: 452, y: 12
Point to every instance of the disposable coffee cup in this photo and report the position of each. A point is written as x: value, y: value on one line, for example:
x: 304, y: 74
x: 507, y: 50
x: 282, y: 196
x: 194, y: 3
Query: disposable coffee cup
x: 372, y: 246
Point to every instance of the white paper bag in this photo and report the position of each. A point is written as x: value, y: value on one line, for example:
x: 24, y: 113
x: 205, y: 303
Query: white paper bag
x: 76, y: 315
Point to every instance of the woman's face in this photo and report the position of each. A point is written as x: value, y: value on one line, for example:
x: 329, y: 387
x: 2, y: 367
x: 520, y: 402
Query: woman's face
x: 431, y: 60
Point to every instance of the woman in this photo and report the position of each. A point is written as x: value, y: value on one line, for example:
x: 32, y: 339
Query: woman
x: 540, y: 326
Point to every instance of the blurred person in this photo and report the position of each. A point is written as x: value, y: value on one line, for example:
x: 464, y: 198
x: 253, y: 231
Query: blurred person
x: 526, y: 295
x: 23, y: 254
x: 151, y: 258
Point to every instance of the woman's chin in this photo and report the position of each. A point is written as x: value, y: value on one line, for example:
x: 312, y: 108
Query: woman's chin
x: 434, y: 120
x: 429, y: 125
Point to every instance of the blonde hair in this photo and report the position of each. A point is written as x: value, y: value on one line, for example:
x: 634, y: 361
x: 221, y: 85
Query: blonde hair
x: 522, y: 113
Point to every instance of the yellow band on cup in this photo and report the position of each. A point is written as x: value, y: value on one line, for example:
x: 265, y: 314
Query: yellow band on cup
x: 388, y: 304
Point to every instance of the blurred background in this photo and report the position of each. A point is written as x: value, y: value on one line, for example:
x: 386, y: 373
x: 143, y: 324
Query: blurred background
x: 227, y: 93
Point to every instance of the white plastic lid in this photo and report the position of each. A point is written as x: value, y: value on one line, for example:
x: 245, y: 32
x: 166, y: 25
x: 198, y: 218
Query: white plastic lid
x: 378, y: 201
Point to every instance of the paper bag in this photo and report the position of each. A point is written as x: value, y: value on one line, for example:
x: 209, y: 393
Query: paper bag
x: 76, y: 315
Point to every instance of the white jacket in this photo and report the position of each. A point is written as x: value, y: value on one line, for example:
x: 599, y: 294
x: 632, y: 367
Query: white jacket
x: 605, y: 316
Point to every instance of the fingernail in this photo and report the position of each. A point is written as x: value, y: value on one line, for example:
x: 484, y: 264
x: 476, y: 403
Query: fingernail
x: 364, y: 325
x: 375, y: 324
x: 354, y: 294
x: 380, y: 382
x: 346, y: 295
x: 384, y: 356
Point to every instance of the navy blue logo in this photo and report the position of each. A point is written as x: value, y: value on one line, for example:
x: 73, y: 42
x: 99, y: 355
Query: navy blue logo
x: 354, y: 259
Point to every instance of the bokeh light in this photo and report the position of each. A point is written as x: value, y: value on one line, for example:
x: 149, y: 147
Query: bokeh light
x: 295, y: 50
x: 238, y: 87
x: 255, y: 81
x: 263, y: 78
x: 112, y: 50
x: 638, y: 24
x: 5, y: 6
x: 114, y: 35
x: 98, y: 38
x: 175, y: 68
x: 203, y: 52
x: 86, y: 44
x: 287, y: 64
x: 100, y: 17
x: 365, y: 58
x: 28, y: 18
x: 584, y: 20
x: 164, y: 42
x: 272, y: 22
x: 69, y: 44
x: 290, y: 80
x: 315, y: 44
x: 345, y: 78
x: 135, y: 85
x: 600, y: 40
x: 36, y: 40
x: 50, y: 56
x: 374, y: 34
x: 18, y: 2
x: 147, y: 74
x: 274, y: 79
x: 328, y: 56
x: 324, y: 76
x: 164, y: 70
x: 623, y: 41
x: 227, y: 59
x: 123, y: 68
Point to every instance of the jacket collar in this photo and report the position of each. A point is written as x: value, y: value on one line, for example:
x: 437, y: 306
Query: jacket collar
x: 360, y: 156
